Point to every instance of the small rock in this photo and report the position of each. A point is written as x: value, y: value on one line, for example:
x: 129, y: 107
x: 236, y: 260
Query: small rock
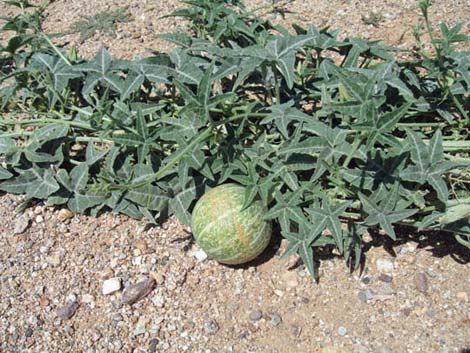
x: 421, y: 282
x: 410, y: 247
x: 275, y: 320
x: 211, y: 327
x: 463, y: 296
x: 139, y: 330
x: 386, y: 349
x: 134, y: 292
x: 365, y: 296
x: 289, y: 278
x: 256, y: 315
x: 386, y: 290
x: 28, y: 332
x: 233, y: 306
x: 342, y: 331
x: 296, y: 330
x: 111, y: 285
x: 87, y: 298
x: 409, y: 259
x: 64, y: 214
x: 431, y: 313
x: 385, y: 278
x: 141, y: 244
x: 44, y: 301
x: 39, y: 219
x: 243, y: 334
x: 200, y: 255
x: 366, y: 280
x: 95, y: 335
x: 54, y: 260
x: 21, y: 224
x: 385, y: 266
x: 406, y: 311
x: 159, y: 301
x: 67, y: 311
x: 153, y: 343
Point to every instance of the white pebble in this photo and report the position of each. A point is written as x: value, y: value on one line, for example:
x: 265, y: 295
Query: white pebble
x: 200, y: 255
x: 385, y: 266
x: 111, y: 285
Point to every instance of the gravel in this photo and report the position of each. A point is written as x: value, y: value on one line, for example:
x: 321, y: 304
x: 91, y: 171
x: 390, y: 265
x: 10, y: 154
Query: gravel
x: 111, y: 285
x: 385, y: 266
x: 421, y: 282
x: 135, y: 292
x: 256, y: 315
x: 21, y: 224
x: 276, y: 320
x: 342, y: 331
x: 67, y: 311
x: 211, y: 327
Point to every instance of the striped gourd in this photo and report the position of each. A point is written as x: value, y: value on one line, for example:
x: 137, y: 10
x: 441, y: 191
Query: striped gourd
x: 224, y: 231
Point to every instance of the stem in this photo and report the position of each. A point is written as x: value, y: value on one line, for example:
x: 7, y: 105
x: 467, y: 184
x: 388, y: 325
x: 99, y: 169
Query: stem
x: 459, y: 107
x: 56, y: 49
x: 47, y: 120
x: 277, y: 88
x: 421, y: 124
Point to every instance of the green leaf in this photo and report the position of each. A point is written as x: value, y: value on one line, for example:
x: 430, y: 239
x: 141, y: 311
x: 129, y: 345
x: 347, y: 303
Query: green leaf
x: 79, y: 203
x: 79, y: 177
x: 18, y: 184
x: 43, y: 185
x: 179, y: 204
x: 7, y: 145
x: 4, y: 174
x: 385, y: 212
x: 94, y: 155
x: 287, y: 208
x: 330, y: 215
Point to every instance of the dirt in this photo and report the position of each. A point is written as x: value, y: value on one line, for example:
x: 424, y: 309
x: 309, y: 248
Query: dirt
x: 409, y: 296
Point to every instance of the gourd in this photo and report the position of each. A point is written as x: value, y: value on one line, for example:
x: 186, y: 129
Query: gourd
x: 226, y: 232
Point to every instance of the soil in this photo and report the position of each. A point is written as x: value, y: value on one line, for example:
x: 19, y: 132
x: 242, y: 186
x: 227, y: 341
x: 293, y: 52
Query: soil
x: 409, y: 296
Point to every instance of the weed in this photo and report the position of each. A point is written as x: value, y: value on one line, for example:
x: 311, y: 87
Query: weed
x: 374, y: 18
x: 102, y: 22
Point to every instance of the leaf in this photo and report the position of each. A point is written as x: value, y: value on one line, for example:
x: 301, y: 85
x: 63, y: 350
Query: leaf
x: 43, y: 184
x: 385, y: 213
x: 4, y: 174
x: 287, y: 208
x: 7, y: 145
x: 282, y: 115
x: 330, y: 215
x: 51, y: 132
x: 18, y: 184
x: 131, y: 85
x: 179, y: 204
x: 455, y: 213
x: 61, y: 73
x: 79, y: 177
x: 94, y: 155
x: 79, y: 203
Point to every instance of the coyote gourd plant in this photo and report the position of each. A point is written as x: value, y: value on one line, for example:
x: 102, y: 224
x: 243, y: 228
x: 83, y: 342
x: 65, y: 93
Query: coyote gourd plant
x: 332, y: 136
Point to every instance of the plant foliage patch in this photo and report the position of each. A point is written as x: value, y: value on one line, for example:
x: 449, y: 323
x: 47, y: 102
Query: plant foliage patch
x: 333, y: 136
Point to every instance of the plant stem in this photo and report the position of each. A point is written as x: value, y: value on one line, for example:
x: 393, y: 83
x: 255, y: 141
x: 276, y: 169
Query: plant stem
x: 48, y: 121
x: 56, y: 49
